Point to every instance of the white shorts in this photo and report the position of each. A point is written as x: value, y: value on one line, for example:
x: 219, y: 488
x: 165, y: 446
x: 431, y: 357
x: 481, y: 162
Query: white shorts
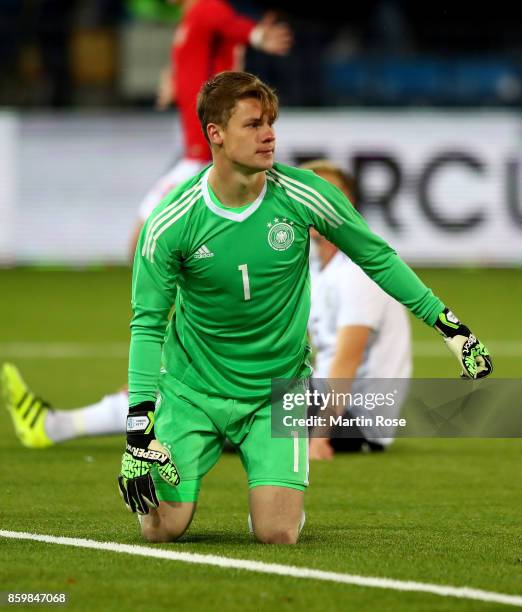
x: 183, y: 170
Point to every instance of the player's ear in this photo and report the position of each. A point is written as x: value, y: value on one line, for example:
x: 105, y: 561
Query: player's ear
x: 215, y: 134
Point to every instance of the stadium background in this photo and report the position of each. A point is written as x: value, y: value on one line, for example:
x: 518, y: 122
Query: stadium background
x: 424, y: 107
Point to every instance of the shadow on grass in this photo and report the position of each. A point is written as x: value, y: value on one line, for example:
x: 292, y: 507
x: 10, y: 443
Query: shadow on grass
x: 222, y: 539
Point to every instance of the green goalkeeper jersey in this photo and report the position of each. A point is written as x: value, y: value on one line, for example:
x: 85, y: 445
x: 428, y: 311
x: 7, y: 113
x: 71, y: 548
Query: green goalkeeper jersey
x: 240, y: 283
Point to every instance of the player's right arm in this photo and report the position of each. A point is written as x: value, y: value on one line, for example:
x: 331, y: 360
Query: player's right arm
x: 155, y: 268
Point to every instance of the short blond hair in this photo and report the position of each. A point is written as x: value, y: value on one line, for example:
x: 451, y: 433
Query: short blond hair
x: 219, y: 96
x: 325, y: 165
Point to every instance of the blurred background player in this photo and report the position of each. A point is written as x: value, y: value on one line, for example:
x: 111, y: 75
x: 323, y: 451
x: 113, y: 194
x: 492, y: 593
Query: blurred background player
x: 210, y: 38
x: 358, y: 330
x: 38, y: 425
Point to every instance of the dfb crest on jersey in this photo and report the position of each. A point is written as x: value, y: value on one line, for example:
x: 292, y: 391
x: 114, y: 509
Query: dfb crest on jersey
x: 280, y: 234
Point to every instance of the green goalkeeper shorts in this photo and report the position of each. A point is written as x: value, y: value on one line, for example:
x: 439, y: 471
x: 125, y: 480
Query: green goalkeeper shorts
x: 194, y: 426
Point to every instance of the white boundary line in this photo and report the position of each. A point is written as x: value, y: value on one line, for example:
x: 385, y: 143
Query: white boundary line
x: 436, y: 348
x: 120, y: 350
x: 64, y: 350
x: 274, y: 568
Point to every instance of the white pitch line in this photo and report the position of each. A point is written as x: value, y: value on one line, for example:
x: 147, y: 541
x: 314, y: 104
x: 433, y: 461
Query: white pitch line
x: 435, y: 348
x: 274, y: 568
x: 120, y: 350
x: 64, y: 350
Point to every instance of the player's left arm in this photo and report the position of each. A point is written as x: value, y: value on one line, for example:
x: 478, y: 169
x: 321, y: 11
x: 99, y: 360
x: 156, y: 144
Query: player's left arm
x: 267, y: 35
x: 222, y: 19
x: 336, y: 219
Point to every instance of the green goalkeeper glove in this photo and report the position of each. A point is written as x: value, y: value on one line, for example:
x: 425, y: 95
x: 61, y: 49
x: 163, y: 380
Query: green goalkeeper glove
x: 473, y: 356
x: 141, y: 453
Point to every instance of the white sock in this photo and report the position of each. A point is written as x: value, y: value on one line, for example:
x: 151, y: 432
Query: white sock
x: 103, y: 418
x: 302, y: 523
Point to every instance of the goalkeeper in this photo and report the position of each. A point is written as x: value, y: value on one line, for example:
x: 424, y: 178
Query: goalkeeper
x: 230, y: 249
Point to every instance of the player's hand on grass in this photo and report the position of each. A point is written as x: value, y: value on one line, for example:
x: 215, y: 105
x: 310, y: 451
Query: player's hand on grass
x: 271, y: 36
x: 472, y: 355
x: 141, y: 453
x: 320, y: 449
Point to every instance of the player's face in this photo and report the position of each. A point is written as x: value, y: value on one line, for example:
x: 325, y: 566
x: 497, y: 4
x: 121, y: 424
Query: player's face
x: 249, y: 137
x: 332, y: 178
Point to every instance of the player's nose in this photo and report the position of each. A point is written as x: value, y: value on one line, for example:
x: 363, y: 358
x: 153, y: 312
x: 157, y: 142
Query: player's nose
x: 268, y: 134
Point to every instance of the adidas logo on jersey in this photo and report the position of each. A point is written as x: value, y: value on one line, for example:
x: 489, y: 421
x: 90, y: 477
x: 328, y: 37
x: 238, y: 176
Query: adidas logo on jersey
x: 203, y: 252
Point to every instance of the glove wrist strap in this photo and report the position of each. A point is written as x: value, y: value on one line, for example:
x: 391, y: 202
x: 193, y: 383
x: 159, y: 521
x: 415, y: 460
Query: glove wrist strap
x: 449, y: 326
x: 140, y: 425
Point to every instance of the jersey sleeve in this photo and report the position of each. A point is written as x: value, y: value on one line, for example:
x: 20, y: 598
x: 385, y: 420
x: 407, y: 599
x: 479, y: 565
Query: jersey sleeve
x: 221, y: 18
x: 361, y: 301
x: 331, y: 213
x: 156, y: 265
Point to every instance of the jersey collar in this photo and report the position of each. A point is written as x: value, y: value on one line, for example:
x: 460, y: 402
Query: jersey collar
x: 228, y: 213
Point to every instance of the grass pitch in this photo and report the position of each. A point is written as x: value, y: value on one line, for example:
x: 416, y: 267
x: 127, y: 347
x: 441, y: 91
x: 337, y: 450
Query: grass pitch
x: 429, y: 510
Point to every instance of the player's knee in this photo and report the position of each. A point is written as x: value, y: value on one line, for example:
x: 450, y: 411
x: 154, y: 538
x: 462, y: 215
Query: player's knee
x: 157, y: 534
x: 277, y: 535
x: 164, y: 530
